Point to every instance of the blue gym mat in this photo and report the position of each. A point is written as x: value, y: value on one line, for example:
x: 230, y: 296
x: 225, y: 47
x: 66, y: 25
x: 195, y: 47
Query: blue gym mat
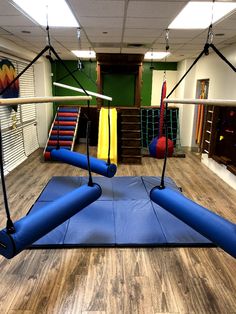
x: 123, y: 216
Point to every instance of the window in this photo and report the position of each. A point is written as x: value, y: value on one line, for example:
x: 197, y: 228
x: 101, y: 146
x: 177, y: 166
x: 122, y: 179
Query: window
x: 19, y: 129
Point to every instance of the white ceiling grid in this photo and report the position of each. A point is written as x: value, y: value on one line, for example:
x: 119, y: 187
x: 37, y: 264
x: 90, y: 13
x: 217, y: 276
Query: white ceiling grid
x: 116, y: 26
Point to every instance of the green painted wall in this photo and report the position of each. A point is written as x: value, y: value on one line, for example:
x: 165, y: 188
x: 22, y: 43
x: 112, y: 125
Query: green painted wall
x: 87, y: 78
x: 119, y: 86
x: 146, y: 90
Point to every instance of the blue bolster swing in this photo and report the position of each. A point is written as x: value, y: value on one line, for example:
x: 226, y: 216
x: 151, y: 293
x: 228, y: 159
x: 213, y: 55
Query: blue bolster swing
x: 36, y: 224
x: 80, y: 160
x: 212, y: 226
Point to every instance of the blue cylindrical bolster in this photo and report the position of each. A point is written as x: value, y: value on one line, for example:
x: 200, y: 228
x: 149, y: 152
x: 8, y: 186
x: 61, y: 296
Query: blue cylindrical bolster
x: 80, y: 160
x: 36, y: 224
x: 212, y: 226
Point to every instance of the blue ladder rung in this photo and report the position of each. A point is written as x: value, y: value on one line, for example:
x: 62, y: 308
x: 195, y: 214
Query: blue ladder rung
x: 61, y: 137
x: 66, y: 118
x: 68, y: 110
x: 64, y: 127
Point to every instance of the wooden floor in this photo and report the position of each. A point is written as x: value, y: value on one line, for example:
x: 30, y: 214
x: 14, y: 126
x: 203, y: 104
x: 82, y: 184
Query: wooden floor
x: 119, y: 280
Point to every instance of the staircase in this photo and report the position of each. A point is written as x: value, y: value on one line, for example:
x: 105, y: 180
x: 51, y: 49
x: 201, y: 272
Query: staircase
x: 129, y: 137
x: 63, y: 130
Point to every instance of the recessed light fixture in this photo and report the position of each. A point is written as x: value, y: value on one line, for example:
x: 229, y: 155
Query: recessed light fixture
x: 26, y: 32
x: 156, y: 55
x: 84, y: 54
x: 198, y: 15
x: 58, y: 12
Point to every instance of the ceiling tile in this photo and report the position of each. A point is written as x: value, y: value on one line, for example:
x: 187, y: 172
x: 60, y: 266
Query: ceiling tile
x: 107, y: 50
x: 8, y: 9
x: 229, y: 23
x: 190, y: 47
x: 34, y: 39
x: 134, y: 50
x: 4, y: 32
x: 65, y: 39
x: 162, y: 46
x: 99, y: 31
x: 154, y: 9
x: 108, y: 39
x: 97, y: 8
x: 60, y: 31
x: 184, y: 33
x: 15, y: 20
x: 33, y: 30
x: 139, y: 39
x: 144, y: 32
x: 105, y: 22
x: 147, y: 23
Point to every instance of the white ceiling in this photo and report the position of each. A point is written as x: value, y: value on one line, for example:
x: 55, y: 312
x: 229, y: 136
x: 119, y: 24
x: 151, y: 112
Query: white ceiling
x: 116, y: 26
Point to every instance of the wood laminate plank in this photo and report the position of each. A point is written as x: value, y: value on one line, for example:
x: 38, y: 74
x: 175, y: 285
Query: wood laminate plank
x: 119, y: 280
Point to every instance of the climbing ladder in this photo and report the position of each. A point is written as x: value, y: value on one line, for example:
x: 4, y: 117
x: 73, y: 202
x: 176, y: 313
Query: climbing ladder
x: 209, y: 131
x: 63, y: 130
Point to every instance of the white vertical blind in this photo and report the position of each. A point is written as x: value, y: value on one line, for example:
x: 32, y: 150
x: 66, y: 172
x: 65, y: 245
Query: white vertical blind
x: 19, y: 129
x: 13, y: 149
x: 30, y: 138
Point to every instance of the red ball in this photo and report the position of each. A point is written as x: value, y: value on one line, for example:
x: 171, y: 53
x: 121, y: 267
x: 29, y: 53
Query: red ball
x: 161, y: 147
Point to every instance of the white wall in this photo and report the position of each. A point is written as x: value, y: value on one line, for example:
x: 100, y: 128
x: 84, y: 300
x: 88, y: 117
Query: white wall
x: 157, y: 81
x: 222, y: 85
x: 222, y: 77
x: 186, y: 89
x: 43, y: 85
x: 222, y: 82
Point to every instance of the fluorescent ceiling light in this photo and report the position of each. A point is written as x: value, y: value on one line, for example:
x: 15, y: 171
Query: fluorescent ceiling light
x: 84, y: 54
x: 198, y: 15
x: 155, y: 55
x: 58, y: 12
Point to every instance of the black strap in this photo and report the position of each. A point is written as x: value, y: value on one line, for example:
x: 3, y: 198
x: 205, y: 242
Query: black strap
x: 222, y: 57
x: 162, y: 184
x: 204, y: 51
x: 81, y: 71
x: 58, y: 130
x: 90, y: 181
x: 24, y: 70
x: 67, y: 69
x: 9, y: 226
x: 109, y: 134
x: 66, y: 75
